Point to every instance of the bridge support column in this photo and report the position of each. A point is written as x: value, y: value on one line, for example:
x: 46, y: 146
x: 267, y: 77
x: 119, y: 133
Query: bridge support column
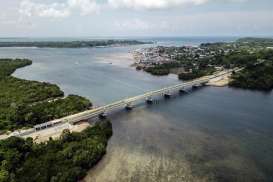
x: 182, y: 91
x: 203, y: 84
x: 196, y: 87
x: 167, y: 95
x: 102, y: 116
x: 149, y: 100
x: 129, y: 107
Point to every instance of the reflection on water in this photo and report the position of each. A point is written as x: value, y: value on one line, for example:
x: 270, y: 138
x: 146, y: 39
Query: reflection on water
x: 141, y: 150
x: 212, y: 134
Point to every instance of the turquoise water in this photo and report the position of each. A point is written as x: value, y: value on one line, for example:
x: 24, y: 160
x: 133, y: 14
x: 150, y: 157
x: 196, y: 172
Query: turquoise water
x: 212, y: 134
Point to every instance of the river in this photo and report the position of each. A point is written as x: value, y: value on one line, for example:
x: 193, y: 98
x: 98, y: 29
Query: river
x: 212, y: 134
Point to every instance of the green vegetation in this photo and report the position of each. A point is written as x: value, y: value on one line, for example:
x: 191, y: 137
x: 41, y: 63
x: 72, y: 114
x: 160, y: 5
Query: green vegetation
x: 198, y: 68
x: 158, y: 70
x: 255, y: 42
x: 29, y: 115
x: 257, y: 76
x: 64, y: 160
x: 26, y: 103
x: 16, y: 91
x: 258, y: 70
x: 196, y: 74
x: 235, y: 59
x: 7, y: 67
x: 72, y: 44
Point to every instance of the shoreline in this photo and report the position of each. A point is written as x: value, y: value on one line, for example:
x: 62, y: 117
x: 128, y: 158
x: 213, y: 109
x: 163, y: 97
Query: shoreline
x: 220, y: 82
x: 25, y: 132
x: 59, y: 138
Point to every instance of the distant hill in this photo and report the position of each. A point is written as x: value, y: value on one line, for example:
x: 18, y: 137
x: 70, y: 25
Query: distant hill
x: 256, y: 41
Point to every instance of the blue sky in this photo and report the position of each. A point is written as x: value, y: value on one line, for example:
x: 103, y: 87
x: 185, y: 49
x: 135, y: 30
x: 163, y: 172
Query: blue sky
x: 70, y: 18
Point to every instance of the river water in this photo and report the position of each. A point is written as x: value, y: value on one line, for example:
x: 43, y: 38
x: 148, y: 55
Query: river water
x: 212, y: 134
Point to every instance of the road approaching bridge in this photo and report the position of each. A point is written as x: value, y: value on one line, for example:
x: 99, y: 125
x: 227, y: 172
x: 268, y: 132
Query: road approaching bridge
x: 125, y: 103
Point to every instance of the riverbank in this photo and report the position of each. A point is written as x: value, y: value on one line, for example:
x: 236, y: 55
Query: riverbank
x: 221, y: 81
x: 27, y: 103
x: 255, y: 77
x: 65, y: 159
x: 61, y: 153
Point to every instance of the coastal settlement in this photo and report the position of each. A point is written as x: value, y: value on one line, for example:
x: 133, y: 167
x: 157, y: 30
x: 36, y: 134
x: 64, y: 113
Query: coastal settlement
x: 191, y: 62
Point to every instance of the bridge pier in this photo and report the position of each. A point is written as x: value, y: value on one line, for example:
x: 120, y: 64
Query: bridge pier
x: 194, y: 87
x: 129, y: 107
x: 167, y: 95
x: 204, y: 84
x: 102, y: 116
x: 149, y: 100
x: 183, y: 91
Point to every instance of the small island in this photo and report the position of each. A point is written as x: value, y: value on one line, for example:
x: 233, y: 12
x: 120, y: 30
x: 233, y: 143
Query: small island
x: 25, y: 103
x: 255, y: 55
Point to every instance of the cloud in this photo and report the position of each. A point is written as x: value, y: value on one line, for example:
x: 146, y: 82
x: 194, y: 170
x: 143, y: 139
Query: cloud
x: 137, y: 24
x: 152, y: 4
x: 159, y: 4
x: 86, y: 7
x: 221, y: 23
x: 58, y: 10
x: 54, y: 10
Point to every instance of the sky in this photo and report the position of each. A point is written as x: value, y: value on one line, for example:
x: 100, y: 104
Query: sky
x: 100, y: 18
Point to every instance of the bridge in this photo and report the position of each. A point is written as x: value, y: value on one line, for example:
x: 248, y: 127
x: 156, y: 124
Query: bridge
x: 129, y: 102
